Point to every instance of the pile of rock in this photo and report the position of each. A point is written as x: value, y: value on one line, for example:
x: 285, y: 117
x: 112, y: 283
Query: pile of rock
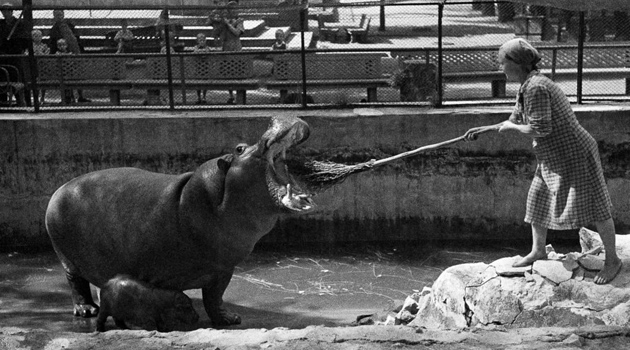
x: 556, y: 292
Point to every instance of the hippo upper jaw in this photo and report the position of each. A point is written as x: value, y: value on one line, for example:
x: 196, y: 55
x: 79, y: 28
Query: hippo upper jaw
x: 284, y: 133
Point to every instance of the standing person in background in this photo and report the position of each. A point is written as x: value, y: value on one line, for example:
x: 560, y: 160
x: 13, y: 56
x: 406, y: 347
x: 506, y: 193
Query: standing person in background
x: 13, y: 41
x: 124, y: 38
x: 215, y: 19
x: 231, y: 33
x: 64, y: 29
x: 568, y: 190
x: 13, y: 32
x: 201, y: 47
x: 63, y: 49
x: 39, y: 48
x: 160, y: 23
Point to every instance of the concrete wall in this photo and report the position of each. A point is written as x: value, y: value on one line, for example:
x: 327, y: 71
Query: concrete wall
x: 469, y: 190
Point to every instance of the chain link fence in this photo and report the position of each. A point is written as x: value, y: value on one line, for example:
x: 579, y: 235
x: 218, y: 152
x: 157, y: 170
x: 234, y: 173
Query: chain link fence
x: 289, y: 54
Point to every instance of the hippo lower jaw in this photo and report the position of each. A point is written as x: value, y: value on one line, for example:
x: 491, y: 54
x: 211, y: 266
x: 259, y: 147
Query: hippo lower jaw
x: 286, y: 192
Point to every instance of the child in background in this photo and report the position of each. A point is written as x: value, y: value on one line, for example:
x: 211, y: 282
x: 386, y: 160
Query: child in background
x: 39, y: 48
x: 62, y: 49
x: 202, y: 46
x: 279, y: 44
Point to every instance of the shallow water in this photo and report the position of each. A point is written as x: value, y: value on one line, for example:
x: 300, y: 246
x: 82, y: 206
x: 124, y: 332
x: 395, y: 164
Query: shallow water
x: 292, y: 288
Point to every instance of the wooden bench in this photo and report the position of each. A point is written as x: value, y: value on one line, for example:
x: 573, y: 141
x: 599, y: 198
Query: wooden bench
x: 329, y: 70
x: 481, y: 65
x: 599, y: 63
x: 202, y: 72
x: 66, y: 72
x: 360, y: 35
x: 333, y: 31
x: 472, y: 66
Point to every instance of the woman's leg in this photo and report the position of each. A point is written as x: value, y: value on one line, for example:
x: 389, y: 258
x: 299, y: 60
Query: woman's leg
x: 612, y: 265
x: 539, y: 244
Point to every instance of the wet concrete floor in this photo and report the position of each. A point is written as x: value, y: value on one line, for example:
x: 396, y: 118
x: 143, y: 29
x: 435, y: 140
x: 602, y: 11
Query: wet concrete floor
x: 292, y: 288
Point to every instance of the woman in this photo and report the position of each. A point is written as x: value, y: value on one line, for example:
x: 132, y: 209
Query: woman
x: 568, y: 190
x: 230, y: 34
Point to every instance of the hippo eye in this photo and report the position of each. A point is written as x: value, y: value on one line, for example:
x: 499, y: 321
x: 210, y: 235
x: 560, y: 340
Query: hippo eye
x: 240, y: 149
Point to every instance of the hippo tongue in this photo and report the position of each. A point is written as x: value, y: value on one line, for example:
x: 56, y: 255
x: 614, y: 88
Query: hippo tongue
x: 291, y: 195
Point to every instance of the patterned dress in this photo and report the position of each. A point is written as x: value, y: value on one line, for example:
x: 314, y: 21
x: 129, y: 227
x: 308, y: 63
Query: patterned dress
x: 569, y: 189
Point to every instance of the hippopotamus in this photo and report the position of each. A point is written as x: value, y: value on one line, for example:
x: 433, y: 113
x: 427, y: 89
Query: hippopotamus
x: 134, y: 303
x: 176, y: 232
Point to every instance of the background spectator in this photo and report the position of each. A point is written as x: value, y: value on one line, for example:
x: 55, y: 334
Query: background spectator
x: 279, y: 44
x: 64, y: 29
x: 39, y: 48
x: 215, y: 19
x: 124, y: 38
x: 202, y: 46
x: 231, y: 32
x: 13, y: 32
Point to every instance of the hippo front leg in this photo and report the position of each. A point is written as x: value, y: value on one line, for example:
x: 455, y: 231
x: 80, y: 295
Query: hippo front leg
x: 213, y: 300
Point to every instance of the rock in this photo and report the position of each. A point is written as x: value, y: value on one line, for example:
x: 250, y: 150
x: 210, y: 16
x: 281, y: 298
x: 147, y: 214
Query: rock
x: 591, y: 262
x: 404, y: 317
x: 445, y: 308
x: 390, y: 321
x: 589, y: 239
x: 553, y: 270
x: 503, y: 267
x: 573, y: 339
x: 556, y: 293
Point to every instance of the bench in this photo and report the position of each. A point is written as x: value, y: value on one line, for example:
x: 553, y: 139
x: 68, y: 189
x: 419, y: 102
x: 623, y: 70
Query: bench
x: 360, y: 35
x: 202, y: 72
x: 599, y: 63
x: 66, y: 72
x: 472, y: 66
x: 329, y: 70
x: 334, y: 31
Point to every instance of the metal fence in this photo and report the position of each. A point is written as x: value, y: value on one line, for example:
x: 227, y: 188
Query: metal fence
x: 329, y: 54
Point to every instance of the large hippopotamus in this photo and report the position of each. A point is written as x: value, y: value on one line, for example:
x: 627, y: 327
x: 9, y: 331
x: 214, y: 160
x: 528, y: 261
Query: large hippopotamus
x: 175, y: 232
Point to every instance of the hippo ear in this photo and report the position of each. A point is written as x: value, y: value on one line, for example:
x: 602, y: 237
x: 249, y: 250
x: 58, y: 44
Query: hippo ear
x: 224, y: 162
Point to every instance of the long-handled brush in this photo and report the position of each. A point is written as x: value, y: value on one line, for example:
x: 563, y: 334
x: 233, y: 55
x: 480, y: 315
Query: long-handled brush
x: 317, y: 176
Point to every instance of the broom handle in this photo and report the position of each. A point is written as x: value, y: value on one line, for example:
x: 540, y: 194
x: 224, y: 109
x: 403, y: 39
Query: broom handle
x: 422, y: 149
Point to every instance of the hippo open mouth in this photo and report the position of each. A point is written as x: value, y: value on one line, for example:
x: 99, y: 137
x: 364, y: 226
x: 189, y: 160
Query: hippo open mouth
x: 284, y: 133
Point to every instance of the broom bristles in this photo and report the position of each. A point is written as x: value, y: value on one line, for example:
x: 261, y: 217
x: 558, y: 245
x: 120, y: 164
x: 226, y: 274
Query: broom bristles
x: 318, y: 176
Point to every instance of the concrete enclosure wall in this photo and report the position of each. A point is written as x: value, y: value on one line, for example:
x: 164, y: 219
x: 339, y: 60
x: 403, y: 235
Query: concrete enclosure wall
x: 465, y: 191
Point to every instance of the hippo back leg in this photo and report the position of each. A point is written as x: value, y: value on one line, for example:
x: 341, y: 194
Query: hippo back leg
x: 213, y: 300
x: 84, y: 304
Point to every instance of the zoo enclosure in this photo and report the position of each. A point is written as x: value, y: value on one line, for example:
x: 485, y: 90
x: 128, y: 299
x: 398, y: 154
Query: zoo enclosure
x: 338, y: 54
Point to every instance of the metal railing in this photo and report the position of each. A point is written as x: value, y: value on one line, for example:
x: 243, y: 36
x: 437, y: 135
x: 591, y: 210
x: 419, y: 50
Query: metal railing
x: 427, y: 53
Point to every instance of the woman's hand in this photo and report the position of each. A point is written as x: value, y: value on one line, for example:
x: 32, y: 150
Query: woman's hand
x: 473, y: 133
x: 507, y: 126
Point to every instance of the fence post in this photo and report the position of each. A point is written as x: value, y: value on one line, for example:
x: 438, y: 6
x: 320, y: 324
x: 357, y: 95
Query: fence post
x: 440, y: 96
x: 27, y: 9
x: 382, y: 17
x: 580, y: 57
x: 169, y: 71
x: 303, y: 55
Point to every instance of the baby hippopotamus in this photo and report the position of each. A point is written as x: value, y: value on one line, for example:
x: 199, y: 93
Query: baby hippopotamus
x: 136, y: 304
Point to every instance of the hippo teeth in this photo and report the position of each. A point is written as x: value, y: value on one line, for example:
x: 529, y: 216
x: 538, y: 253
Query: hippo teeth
x: 297, y: 202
